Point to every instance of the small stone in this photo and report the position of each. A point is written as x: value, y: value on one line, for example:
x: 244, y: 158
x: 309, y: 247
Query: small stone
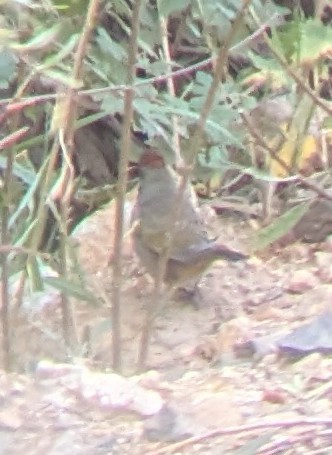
x: 147, y: 402
x: 323, y: 259
x: 301, y: 281
x: 324, y: 265
x: 328, y: 244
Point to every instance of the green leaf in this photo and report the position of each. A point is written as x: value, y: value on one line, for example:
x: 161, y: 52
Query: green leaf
x: 71, y: 7
x: 316, y: 41
x: 40, y: 41
x: 112, y: 103
x: 7, y: 68
x: 29, y: 195
x: 7, y: 37
x: 23, y: 173
x: 34, y: 273
x: 167, y: 7
x: 71, y: 289
x: 63, y: 78
x: 280, y: 227
x: 215, y: 159
x: 84, y: 121
x: 221, y: 134
x: 109, y: 46
x: 23, y: 233
x: 327, y: 123
x: 64, y: 51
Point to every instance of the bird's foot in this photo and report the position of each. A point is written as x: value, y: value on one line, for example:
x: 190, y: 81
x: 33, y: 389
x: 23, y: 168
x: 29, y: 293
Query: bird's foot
x: 192, y: 295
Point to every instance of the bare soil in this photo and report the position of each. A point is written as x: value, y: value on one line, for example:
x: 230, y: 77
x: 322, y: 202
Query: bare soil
x: 194, y: 366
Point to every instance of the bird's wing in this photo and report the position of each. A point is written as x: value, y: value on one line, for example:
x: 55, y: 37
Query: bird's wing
x: 190, y: 252
x: 154, y: 241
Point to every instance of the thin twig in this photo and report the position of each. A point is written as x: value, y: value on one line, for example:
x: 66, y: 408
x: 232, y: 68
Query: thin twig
x: 64, y: 189
x: 242, y: 429
x: 13, y: 138
x: 22, y: 250
x: 171, y: 89
x: 288, y: 442
x: 69, y: 109
x: 194, y: 147
x: 122, y: 188
x: 5, y: 238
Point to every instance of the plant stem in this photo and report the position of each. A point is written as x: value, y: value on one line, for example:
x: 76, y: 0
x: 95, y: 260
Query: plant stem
x: 122, y: 188
x: 5, y: 238
x: 64, y: 189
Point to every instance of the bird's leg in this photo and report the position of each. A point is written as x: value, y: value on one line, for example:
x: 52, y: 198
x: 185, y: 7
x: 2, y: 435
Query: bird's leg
x: 192, y: 294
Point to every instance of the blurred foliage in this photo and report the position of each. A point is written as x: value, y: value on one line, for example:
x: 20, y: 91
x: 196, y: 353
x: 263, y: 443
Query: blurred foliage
x: 281, y: 226
x: 38, y: 42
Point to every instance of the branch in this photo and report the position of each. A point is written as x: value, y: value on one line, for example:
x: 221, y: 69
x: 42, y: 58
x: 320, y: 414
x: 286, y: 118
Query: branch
x: 13, y: 138
x: 171, y: 89
x: 22, y: 250
x: 122, y: 187
x: 64, y: 188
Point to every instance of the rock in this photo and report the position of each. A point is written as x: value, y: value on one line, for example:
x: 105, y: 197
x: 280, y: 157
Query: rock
x: 302, y: 281
x: 324, y: 263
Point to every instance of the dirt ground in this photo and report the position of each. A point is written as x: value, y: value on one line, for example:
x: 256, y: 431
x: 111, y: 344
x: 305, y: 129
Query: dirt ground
x: 200, y: 394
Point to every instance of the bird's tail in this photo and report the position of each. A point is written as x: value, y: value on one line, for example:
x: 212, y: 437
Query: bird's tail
x: 223, y: 252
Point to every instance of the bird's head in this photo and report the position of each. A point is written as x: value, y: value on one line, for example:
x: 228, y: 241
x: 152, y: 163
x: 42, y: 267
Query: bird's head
x: 151, y: 159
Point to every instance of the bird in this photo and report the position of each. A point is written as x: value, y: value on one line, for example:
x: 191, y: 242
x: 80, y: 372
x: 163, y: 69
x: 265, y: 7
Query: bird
x: 190, y: 251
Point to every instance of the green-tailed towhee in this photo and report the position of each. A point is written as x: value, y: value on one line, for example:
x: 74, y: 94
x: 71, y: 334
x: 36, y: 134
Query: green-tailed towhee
x: 191, y: 251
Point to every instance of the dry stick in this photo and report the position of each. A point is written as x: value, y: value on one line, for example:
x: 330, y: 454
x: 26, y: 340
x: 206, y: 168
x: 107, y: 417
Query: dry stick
x: 5, y: 238
x: 69, y: 328
x: 121, y: 189
x: 22, y: 250
x: 171, y: 89
x: 65, y: 186
x: 156, y: 301
x: 69, y: 110
x: 262, y: 142
x: 250, y: 428
x: 276, y: 447
x: 13, y: 138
